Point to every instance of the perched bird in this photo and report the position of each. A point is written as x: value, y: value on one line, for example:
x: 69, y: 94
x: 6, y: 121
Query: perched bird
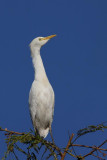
x: 41, y: 96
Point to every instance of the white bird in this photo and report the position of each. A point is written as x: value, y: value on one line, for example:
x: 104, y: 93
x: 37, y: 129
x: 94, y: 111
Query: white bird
x: 41, y: 96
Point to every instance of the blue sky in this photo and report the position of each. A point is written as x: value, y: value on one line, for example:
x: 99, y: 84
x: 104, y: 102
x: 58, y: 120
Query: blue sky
x: 75, y: 62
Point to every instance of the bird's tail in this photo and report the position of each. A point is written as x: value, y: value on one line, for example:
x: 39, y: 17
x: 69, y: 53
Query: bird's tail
x: 43, y: 132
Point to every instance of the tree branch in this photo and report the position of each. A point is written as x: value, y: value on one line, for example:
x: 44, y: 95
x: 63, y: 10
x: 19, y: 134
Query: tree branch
x: 67, y: 147
x: 90, y: 153
x: 10, y: 132
x: 32, y: 141
x: 93, y: 147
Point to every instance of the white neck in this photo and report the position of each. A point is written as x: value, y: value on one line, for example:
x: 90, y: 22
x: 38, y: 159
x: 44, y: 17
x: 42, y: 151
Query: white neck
x: 40, y: 74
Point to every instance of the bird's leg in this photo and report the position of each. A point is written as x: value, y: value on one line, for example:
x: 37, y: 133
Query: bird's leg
x: 50, y: 130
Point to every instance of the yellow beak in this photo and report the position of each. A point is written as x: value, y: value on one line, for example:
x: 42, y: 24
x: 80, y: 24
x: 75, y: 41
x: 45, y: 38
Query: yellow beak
x: 49, y: 37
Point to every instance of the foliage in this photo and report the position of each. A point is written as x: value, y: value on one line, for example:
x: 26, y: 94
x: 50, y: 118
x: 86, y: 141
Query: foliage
x: 34, y: 143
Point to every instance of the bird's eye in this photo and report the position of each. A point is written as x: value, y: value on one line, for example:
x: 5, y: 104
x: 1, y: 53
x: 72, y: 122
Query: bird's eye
x: 39, y: 39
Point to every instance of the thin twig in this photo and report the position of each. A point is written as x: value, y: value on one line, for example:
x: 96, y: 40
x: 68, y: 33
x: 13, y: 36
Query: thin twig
x: 57, y: 149
x: 93, y: 147
x: 90, y: 153
x: 97, y: 157
x: 10, y: 132
x: 104, y: 154
x: 67, y: 147
x: 15, y: 155
x: 54, y: 147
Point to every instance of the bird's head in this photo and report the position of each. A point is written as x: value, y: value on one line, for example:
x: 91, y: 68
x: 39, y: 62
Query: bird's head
x: 38, y: 42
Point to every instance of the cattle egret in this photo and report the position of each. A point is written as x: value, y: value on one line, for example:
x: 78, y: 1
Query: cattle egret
x: 41, y: 96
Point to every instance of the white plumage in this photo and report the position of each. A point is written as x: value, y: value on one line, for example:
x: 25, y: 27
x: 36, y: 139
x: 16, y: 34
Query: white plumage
x: 41, y: 96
